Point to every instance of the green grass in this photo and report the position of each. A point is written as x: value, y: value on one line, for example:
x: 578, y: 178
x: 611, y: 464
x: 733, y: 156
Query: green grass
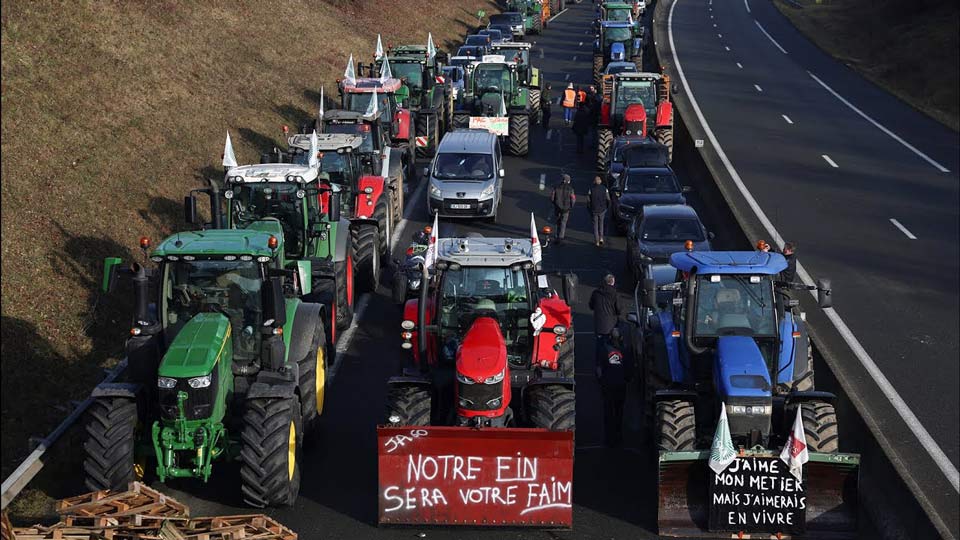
x: 910, y: 48
x: 111, y: 113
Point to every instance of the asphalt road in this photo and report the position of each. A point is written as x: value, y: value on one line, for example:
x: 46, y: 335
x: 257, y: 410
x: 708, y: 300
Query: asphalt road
x: 866, y: 185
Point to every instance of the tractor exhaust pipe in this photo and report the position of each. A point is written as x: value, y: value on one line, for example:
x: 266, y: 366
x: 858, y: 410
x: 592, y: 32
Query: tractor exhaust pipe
x: 141, y: 295
x: 215, y: 210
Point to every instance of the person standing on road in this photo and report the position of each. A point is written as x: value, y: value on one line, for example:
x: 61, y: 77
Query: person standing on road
x: 607, y: 311
x: 790, y: 254
x: 563, y: 199
x: 614, y: 370
x: 569, y: 104
x: 581, y: 96
x: 546, y: 102
x: 581, y: 125
x: 599, y: 199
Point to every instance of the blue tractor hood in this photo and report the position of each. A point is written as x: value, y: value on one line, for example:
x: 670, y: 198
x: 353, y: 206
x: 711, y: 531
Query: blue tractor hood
x: 617, y: 52
x: 740, y: 370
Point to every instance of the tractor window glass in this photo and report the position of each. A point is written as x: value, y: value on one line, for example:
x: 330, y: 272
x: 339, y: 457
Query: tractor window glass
x: 620, y: 15
x: 215, y: 286
x: 336, y: 165
x: 641, y: 92
x: 735, y: 305
x: 650, y: 183
x: 362, y: 130
x: 491, y: 79
x: 456, y: 166
x: 665, y: 229
x: 616, y: 35
x: 520, y: 56
x: 409, y: 70
x: 257, y: 201
x: 361, y: 102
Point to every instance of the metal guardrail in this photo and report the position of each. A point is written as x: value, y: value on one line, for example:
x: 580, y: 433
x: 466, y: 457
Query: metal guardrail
x: 32, y: 464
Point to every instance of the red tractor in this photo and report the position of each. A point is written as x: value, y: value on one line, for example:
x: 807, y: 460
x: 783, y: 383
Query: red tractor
x: 624, y: 96
x: 398, y: 122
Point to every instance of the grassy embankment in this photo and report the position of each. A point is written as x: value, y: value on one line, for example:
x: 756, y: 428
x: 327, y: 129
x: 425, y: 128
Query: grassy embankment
x: 910, y: 48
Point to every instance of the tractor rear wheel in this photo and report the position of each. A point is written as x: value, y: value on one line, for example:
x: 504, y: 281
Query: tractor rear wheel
x: 461, y: 120
x: 536, y: 106
x: 366, y: 256
x: 428, y: 126
x: 519, y: 128
x: 551, y: 406
x: 804, y: 381
x: 604, y: 143
x: 676, y: 426
x: 567, y: 363
x: 408, y: 406
x: 312, y: 371
x: 597, y: 70
x: 664, y: 136
x: 384, y: 229
x: 398, y: 174
x: 108, y: 451
x: 820, y: 426
x: 272, y: 440
x: 537, y: 24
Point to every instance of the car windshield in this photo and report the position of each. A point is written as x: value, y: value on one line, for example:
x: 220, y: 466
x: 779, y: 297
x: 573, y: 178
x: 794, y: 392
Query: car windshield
x: 641, y: 92
x: 619, y: 14
x: 612, y: 35
x: 651, y: 183
x: 492, y: 77
x: 735, y: 305
x: 412, y: 71
x: 459, y: 61
x: 468, y: 51
x: 671, y: 229
x: 477, y: 40
x: 457, y: 166
x: 215, y: 286
x: 495, y: 35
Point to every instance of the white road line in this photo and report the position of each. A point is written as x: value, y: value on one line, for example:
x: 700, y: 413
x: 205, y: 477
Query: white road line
x: 830, y: 161
x: 574, y: 58
x: 930, y: 445
x: 557, y: 15
x: 549, y: 134
x: 580, y: 44
x: 746, y: 5
x: 720, y: 36
x: 739, y: 65
x: 879, y: 126
x: 566, y: 77
x: 784, y: 51
x: 787, y: 118
x: 903, y: 229
x: 758, y: 88
x: 727, y: 48
x: 543, y: 181
x: 714, y: 25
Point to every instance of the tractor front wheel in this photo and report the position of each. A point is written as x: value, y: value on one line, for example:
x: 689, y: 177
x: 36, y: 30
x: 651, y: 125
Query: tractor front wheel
x: 312, y: 370
x: 109, y: 461
x: 567, y: 354
x: 604, y: 143
x: 461, y: 120
x: 536, y: 106
x: 820, y: 426
x: 551, y: 406
x: 676, y: 426
x: 408, y: 406
x: 366, y: 256
x: 519, y: 128
x: 597, y: 70
x: 384, y: 229
x: 664, y: 136
x: 272, y: 439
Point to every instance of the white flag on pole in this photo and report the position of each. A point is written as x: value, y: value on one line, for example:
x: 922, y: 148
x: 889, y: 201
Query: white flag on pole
x: 349, y: 74
x: 431, y: 256
x: 536, y: 252
x: 431, y: 48
x: 795, y: 453
x: 313, y: 160
x: 379, y: 54
x: 229, y: 159
x: 321, y: 104
x: 385, y: 71
x: 722, y: 453
x: 373, y: 109
x: 503, y: 106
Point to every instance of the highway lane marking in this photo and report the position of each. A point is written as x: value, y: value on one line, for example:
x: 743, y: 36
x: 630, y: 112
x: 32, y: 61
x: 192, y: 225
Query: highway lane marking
x: 557, y: 15
x: 549, y: 134
x: 909, y: 418
x: 758, y: 88
x: 830, y: 161
x: 784, y: 51
x: 566, y: 77
x: 787, y: 118
x: 574, y: 58
x: 727, y: 48
x: 543, y: 181
x: 580, y: 45
x: 739, y: 65
x: 903, y: 229
x: 746, y: 4
x: 879, y: 126
x: 720, y: 36
x: 714, y: 25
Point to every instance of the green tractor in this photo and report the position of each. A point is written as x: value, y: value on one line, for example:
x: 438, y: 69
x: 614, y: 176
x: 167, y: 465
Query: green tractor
x: 498, y: 102
x: 527, y: 74
x: 424, y: 92
x: 532, y: 13
x: 225, y: 362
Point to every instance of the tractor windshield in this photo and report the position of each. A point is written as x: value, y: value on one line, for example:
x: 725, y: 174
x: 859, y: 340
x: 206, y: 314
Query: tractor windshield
x: 641, y: 92
x: 623, y: 14
x: 616, y: 35
x: 412, y: 71
x: 337, y: 167
x: 256, y: 201
x: 363, y: 130
x: 215, y: 286
x: 491, y: 78
x: 360, y: 102
x: 501, y: 293
x: 735, y: 305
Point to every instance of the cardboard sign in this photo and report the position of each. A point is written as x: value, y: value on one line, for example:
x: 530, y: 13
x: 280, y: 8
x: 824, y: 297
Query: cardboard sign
x: 757, y: 494
x: 498, y: 125
x: 475, y: 477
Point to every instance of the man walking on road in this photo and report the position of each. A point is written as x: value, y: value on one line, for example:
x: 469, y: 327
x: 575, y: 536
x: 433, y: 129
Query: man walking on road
x: 599, y: 199
x: 546, y: 102
x: 614, y: 370
x: 569, y: 104
x: 563, y: 200
x: 581, y: 125
x: 607, y: 311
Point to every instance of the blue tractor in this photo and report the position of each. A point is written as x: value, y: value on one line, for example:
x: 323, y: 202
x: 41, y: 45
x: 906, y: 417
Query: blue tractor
x: 616, y: 41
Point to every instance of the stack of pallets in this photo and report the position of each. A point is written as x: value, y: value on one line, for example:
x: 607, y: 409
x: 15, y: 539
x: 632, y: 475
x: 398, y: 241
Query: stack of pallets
x: 142, y: 513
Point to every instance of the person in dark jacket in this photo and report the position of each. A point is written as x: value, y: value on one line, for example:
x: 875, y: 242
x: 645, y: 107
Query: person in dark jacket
x: 606, y: 306
x: 546, y: 98
x: 563, y: 199
x: 599, y: 200
x: 614, y: 370
x: 790, y: 254
x: 581, y: 125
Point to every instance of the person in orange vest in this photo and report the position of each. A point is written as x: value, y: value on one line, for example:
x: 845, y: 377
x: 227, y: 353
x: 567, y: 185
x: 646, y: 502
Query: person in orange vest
x: 569, y: 103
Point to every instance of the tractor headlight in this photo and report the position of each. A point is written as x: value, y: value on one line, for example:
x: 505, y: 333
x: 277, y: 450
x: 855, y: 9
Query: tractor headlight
x: 465, y: 403
x: 487, y: 191
x: 494, y: 403
x: 166, y: 382
x: 408, y: 324
x: 752, y: 410
x: 496, y: 378
x: 464, y: 379
x: 199, y: 382
x: 435, y: 192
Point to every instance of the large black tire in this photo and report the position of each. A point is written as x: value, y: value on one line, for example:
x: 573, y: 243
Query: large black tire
x: 108, y: 451
x: 398, y: 292
x: 567, y: 361
x: 408, y: 406
x: 664, y: 136
x: 598, y: 70
x: 312, y: 371
x: 551, y: 406
x: 461, y: 120
x: 805, y: 381
x: 536, y: 107
x: 820, y: 426
x: 398, y: 174
x: 428, y: 125
x: 366, y: 256
x: 604, y: 144
x: 537, y: 24
x: 519, y: 134
x: 676, y: 426
x: 384, y: 229
x: 272, y: 440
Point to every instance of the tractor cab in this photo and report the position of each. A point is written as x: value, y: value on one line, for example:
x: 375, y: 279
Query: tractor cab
x: 394, y: 117
x: 622, y: 90
x: 494, y: 85
x: 616, y: 12
x: 616, y: 42
x: 634, y: 105
x: 415, y: 68
x: 373, y: 140
x: 339, y: 163
x: 519, y: 53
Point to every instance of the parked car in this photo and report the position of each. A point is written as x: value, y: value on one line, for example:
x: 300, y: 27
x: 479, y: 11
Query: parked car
x: 465, y: 178
x: 620, y: 67
x: 658, y: 231
x: 496, y: 36
x: 479, y: 40
x: 636, y: 187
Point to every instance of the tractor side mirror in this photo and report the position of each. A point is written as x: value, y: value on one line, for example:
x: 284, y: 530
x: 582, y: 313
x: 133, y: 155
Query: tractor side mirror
x: 110, y: 267
x: 824, y: 293
x: 274, y: 305
x: 190, y: 209
x: 649, y: 293
x: 333, y: 207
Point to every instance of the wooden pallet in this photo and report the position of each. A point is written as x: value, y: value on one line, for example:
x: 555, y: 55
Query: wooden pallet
x: 107, y: 508
x: 247, y: 527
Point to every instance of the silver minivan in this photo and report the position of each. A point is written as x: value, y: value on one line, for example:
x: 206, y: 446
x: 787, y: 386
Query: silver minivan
x: 465, y: 178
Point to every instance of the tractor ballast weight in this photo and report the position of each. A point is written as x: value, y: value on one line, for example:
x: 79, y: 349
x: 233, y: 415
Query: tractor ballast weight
x: 492, y: 350
x: 616, y: 42
x: 624, y: 91
x: 225, y: 362
x: 733, y: 340
x: 497, y: 102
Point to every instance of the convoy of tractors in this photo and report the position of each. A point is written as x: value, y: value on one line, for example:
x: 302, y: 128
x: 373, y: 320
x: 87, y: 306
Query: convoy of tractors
x: 236, y: 322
